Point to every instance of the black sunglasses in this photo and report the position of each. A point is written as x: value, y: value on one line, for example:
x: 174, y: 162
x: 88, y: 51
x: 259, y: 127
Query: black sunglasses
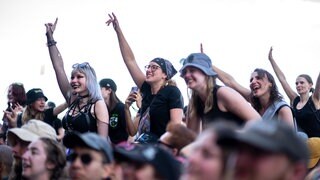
x: 85, y: 158
x: 81, y: 65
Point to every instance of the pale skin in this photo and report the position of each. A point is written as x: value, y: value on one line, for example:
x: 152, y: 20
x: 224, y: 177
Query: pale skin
x: 99, y: 111
x: 228, y: 99
x: 34, y: 161
x: 302, y: 86
x: 95, y: 170
x: 156, y: 78
x: 205, y: 161
x: 132, y: 125
x: 261, y: 91
x: 253, y: 163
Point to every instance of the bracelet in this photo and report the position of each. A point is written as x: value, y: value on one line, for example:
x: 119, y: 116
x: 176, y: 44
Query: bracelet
x: 51, y: 43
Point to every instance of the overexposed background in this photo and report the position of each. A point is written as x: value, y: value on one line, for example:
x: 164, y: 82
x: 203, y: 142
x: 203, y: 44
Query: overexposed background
x: 236, y: 34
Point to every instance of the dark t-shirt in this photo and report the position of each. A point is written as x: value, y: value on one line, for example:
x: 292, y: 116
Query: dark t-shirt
x: 168, y: 97
x: 52, y: 119
x: 307, y: 118
x: 117, y: 124
x: 49, y: 118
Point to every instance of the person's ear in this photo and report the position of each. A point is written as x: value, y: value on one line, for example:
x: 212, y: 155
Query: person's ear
x: 107, y: 170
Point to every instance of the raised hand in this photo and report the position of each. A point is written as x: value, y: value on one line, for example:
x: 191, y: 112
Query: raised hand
x: 270, y: 54
x: 50, y: 28
x: 113, y: 19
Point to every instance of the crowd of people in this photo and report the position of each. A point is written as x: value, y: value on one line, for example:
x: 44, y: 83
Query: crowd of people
x: 224, y: 132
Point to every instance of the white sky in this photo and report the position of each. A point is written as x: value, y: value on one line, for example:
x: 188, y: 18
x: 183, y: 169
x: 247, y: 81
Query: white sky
x: 236, y: 34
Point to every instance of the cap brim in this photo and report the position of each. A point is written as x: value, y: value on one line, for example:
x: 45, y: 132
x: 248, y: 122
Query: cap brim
x: 254, y: 140
x: 207, y: 71
x: 73, y: 139
x: 134, y: 155
x: 22, y: 134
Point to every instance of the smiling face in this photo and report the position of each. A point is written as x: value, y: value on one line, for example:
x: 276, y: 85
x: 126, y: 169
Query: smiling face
x: 154, y: 73
x: 78, y: 83
x: 34, y: 161
x: 259, y: 85
x: 302, y: 85
x: 194, y: 78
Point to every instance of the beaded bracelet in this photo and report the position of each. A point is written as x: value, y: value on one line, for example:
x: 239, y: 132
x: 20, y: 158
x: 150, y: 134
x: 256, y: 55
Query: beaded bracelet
x: 51, y: 43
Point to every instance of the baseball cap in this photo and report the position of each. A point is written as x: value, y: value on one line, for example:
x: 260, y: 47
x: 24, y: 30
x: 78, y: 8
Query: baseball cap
x: 272, y: 136
x: 108, y: 83
x: 34, y: 94
x: 163, y: 162
x: 90, y: 140
x: 314, y: 149
x: 200, y: 61
x: 32, y: 130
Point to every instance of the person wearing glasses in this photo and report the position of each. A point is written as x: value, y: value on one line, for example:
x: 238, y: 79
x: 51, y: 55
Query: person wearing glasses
x: 44, y: 159
x: 210, y: 102
x: 87, y: 111
x: 162, y: 101
x: 306, y: 107
x: 91, y: 156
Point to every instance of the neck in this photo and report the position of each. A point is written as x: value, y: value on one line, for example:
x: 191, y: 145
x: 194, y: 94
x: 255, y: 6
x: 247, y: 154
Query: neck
x: 304, y: 97
x: 155, y: 88
x: 83, y: 96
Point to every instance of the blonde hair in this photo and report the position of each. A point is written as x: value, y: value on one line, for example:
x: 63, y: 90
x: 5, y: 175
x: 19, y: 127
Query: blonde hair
x: 193, y: 111
x: 30, y: 113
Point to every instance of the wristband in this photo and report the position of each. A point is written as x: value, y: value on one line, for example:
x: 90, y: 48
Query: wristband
x: 51, y: 43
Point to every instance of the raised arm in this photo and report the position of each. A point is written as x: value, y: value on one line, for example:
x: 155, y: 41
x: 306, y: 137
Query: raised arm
x: 316, y: 93
x: 136, y: 73
x: 57, y: 110
x: 228, y: 80
x: 57, y: 60
x: 281, y: 77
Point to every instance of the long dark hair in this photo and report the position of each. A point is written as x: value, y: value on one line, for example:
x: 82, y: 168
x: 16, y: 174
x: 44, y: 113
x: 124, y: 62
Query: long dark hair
x: 274, y: 92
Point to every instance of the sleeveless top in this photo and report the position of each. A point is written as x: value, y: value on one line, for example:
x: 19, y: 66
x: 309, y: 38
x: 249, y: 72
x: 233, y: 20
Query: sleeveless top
x: 216, y: 114
x: 308, y: 117
x: 81, y: 122
x: 272, y: 110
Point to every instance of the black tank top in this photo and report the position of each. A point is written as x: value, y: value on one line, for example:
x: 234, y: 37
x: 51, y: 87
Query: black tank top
x: 81, y: 122
x: 308, y: 117
x: 216, y: 114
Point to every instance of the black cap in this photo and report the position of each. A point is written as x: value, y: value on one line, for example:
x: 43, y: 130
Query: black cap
x: 34, y: 94
x: 108, y: 83
x: 162, y: 161
x: 90, y: 140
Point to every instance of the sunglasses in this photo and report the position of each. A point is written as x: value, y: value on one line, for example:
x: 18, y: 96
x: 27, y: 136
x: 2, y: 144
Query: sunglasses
x: 153, y: 67
x: 81, y: 65
x: 85, y: 158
